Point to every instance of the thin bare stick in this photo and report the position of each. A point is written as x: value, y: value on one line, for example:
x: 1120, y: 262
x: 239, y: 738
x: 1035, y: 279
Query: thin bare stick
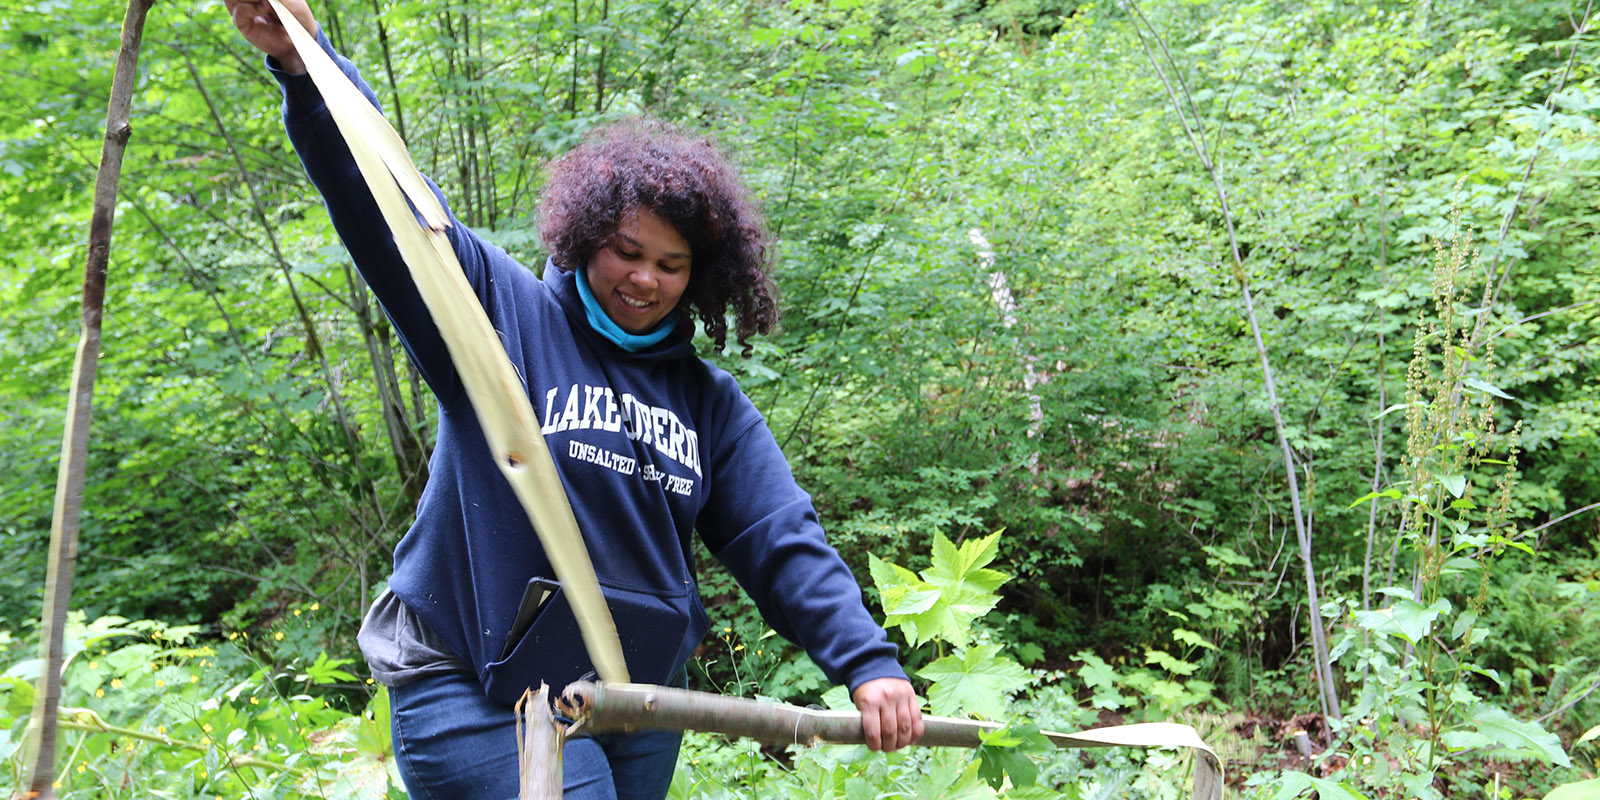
x: 1185, y: 108
x: 40, y: 745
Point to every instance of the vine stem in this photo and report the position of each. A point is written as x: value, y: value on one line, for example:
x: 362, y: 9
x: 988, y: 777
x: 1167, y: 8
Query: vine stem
x: 83, y: 719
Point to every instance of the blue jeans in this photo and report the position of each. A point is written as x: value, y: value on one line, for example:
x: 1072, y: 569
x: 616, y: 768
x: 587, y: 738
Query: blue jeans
x: 453, y: 743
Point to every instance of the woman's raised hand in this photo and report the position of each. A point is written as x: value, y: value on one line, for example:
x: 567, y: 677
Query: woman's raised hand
x: 259, y: 24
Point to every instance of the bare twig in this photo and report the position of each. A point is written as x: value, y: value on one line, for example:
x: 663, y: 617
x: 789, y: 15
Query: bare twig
x: 40, y: 745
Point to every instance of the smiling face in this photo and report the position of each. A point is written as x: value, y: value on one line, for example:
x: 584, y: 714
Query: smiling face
x: 641, y: 275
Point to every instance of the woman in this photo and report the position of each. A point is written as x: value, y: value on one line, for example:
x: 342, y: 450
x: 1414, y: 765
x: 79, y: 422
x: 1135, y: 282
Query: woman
x: 648, y: 229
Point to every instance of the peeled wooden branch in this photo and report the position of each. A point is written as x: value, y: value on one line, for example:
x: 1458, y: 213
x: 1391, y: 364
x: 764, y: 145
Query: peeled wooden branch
x: 496, y: 391
x: 539, y: 742
x: 613, y: 707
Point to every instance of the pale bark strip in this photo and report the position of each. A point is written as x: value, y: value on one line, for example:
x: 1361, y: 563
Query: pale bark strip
x: 539, y: 742
x: 1328, y: 694
x: 628, y: 707
x: 496, y: 392
x: 42, y: 731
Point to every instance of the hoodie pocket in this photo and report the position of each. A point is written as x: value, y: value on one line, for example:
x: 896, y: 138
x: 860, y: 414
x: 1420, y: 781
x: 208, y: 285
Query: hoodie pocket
x: 654, y: 629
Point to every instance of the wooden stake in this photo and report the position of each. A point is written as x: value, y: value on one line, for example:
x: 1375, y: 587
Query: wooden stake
x: 42, y: 730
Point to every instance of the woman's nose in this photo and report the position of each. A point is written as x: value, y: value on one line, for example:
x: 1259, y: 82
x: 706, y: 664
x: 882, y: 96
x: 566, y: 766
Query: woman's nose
x: 644, y: 277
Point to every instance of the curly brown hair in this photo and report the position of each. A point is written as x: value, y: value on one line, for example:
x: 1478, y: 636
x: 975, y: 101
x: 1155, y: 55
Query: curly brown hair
x: 621, y: 168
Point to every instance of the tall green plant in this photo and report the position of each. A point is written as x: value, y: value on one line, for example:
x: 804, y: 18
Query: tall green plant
x: 1417, y: 660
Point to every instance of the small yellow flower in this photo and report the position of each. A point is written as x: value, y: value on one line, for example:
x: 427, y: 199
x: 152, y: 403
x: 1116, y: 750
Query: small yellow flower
x: 116, y: 683
x: 370, y: 681
x: 297, y: 612
x: 738, y: 647
x: 194, y: 678
x: 233, y: 635
x: 727, y: 630
x: 55, y: 785
x: 254, y: 701
x: 315, y: 606
x: 206, y: 727
x: 94, y: 665
x: 277, y: 636
x: 202, y: 774
x: 99, y: 693
x: 160, y: 683
x: 84, y: 767
x: 161, y: 729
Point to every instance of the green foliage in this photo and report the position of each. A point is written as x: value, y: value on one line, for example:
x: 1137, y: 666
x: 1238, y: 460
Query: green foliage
x: 249, y: 461
x: 146, y: 709
x: 952, y: 594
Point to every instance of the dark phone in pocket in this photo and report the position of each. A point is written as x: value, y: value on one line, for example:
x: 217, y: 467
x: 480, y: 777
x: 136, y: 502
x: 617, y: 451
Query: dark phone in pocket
x: 534, y: 599
x: 657, y: 633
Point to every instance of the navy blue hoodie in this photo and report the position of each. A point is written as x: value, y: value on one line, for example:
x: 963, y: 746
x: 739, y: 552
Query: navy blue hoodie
x: 650, y: 446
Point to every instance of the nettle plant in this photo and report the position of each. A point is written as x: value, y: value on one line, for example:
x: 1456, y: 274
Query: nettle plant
x: 1425, y: 706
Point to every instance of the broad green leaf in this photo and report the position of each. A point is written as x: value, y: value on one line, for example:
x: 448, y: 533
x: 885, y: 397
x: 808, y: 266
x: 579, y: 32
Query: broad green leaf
x: 1474, y: 383
x: 1391, y: 493
x: 1581, y: 790
x: 1493, y: 727
x: 1296, y: 784
x: 965, y: 589
x: 1102, y: 681
x: 1456, y: 484
x: 913, y: 603
x: 1416, y: 620
x: 326, y: 670
x: 1170, y: 663
x: 974, y: 682
x: 1004, y: 754
x: 1192, y: 638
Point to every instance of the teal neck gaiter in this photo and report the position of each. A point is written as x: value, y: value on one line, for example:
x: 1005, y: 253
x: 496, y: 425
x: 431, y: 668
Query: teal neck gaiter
x: 631, y: 342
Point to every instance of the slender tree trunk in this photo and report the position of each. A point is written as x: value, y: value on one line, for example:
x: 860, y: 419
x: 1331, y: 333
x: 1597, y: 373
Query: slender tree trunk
x: 410, y: 461
x: 43, y: 731
x: 1188, y: 115
x: 600, y: 63
x: 572, y: 92
x: 388, y: 69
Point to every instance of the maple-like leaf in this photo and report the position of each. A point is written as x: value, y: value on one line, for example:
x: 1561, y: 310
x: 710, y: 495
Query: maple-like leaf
x: 973, y: 682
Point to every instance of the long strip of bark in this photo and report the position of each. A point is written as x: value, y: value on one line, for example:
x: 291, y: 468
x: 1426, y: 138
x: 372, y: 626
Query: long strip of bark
x: 75, y: 439
x: 614, y: 707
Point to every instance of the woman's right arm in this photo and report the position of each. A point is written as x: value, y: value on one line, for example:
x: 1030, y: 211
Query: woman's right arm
x: 327, y: 160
